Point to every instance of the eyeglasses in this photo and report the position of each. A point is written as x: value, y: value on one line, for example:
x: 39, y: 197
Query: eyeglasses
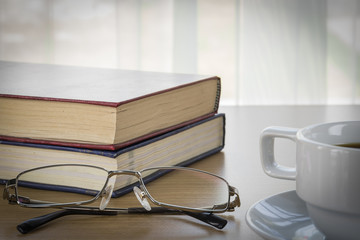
x: 76, y: 188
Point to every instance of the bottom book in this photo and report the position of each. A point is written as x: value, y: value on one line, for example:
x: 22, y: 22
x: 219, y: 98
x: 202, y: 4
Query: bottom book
x: 180, y: 147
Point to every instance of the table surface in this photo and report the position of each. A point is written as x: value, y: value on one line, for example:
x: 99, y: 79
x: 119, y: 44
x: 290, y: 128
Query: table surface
x: 239, y: 163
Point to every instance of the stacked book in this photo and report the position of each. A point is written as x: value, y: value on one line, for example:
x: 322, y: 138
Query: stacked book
x: 115, y: 119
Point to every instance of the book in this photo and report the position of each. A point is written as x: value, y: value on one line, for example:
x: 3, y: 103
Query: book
x: 98, y: 108
x: 179, y: 147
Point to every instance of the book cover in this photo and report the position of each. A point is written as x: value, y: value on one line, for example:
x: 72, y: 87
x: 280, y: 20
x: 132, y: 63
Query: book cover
x: 180, y: 147
x: 98, y: 108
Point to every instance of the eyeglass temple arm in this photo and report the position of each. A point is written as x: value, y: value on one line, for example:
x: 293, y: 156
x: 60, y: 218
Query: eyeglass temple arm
x: 36, y: 222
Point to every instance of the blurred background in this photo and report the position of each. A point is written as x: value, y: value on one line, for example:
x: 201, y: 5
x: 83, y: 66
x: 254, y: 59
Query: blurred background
x: 267, y: 52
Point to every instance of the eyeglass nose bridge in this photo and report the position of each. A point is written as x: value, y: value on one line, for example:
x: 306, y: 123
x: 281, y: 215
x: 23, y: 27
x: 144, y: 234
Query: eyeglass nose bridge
x: 124, y: 172
x: 108, y: 190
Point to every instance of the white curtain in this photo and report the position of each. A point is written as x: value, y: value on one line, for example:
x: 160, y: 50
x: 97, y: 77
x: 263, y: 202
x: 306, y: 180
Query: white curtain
x: 265, y: 51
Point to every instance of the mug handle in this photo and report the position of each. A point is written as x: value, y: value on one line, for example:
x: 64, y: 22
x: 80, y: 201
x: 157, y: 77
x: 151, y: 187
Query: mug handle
x: 267, y: 139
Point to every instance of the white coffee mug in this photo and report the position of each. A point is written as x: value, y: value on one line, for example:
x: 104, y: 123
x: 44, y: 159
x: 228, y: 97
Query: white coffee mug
x: 327, y: 175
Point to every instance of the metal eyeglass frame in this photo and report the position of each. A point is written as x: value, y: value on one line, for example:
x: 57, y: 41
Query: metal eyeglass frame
x: 203, y: 214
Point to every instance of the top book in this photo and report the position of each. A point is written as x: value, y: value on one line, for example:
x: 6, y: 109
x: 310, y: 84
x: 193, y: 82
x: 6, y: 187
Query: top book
x: 98, y: 108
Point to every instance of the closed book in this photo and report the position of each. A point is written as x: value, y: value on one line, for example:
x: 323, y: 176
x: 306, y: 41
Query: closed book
x: 179, y: 147
x: 98, y: 108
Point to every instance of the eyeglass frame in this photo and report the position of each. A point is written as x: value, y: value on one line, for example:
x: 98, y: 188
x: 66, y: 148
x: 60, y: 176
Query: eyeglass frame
x: 229, y: 206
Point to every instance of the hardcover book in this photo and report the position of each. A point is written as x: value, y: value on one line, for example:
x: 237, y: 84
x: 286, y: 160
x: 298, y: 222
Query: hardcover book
x: 180, y: 147
x: 98, y: 108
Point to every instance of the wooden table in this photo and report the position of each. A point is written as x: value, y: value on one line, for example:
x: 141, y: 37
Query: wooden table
x: 239, y: 163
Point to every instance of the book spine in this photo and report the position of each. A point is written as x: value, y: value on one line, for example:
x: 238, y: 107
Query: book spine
x: 217, y: 98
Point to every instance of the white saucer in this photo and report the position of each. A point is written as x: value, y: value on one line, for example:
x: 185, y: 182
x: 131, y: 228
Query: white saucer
x: 282, y: 216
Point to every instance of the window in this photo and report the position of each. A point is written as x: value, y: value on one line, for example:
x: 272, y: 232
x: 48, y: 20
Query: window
x: 265, y: 51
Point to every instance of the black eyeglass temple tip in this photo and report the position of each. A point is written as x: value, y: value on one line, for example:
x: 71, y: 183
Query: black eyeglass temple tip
x: 209, y: 218
x: 36, y: 222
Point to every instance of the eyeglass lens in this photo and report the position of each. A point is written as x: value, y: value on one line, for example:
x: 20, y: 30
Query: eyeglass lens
x: 187, y: 188
x: 62, y: 184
